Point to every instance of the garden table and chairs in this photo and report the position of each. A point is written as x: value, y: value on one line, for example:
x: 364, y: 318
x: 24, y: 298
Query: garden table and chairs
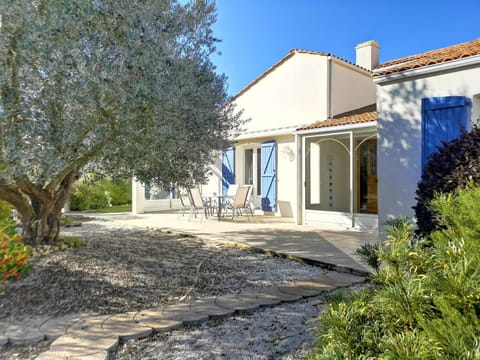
x: 235, y: 203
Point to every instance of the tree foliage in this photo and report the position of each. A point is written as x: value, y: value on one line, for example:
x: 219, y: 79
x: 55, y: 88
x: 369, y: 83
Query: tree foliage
x: 125, y: 87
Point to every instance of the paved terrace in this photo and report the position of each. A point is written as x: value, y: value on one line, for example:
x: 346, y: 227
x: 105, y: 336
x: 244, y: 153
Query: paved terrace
x: 335, y: 249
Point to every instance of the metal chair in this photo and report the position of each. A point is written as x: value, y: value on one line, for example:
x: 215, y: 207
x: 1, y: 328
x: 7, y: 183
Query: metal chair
x: 240, y: 202
x: 184, y: 203
x: 196, y: 203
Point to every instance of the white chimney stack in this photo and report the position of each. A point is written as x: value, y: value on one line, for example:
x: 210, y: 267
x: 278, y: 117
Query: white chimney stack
x: 368, y: 54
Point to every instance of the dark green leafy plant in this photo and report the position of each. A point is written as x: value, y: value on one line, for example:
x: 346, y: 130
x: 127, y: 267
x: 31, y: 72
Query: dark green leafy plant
x: 369, y: 255
x: 454, y: 165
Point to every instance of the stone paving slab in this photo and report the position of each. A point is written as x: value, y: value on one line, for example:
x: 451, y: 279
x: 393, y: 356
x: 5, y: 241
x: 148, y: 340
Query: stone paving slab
x: 264, y: 300
x: 62, y: 355
x: 299, y: 290
x: 182, y: 312
x: 125, y: 327
x: 160, y: 324
x: 26, y: 331
x: 56, y: 326
x: 282, y: 296
x: 343, y: 279
x: 236, y: 303
x: 319, y: 283
x: 84, y: 346
x: 28, y: 336
x: 149, y: 313
x: 210, y: 307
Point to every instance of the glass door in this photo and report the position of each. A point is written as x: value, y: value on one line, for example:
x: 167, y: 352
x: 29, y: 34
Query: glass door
x: 367, y: 177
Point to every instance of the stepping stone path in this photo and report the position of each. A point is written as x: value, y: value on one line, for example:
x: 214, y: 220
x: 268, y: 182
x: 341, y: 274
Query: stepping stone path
x: 92, y: 337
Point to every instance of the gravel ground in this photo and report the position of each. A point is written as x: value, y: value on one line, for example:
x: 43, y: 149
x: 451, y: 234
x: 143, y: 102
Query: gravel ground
x: 126, y: 269
x: 283, y: 332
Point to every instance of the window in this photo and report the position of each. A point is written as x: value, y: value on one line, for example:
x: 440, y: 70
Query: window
x: 252, y: 169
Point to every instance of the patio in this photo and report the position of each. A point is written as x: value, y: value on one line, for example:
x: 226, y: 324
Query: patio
x: 334, y: 249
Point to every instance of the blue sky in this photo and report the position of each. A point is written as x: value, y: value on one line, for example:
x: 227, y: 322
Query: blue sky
x: 257, y: 33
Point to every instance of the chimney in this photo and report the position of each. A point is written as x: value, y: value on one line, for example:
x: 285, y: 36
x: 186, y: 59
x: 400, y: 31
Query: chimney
x: 368, y: 54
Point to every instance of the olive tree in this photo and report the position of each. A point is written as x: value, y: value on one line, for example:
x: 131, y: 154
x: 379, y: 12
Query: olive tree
x: 122, y: 86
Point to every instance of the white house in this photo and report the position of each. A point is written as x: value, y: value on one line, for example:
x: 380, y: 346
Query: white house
x: 421, y: 100
x: 279, y: 152
x: 311, y: 132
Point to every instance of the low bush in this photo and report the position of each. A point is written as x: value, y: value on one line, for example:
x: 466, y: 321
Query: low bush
x: 100, y: 194
x: 73, y: 241
x: 368, y: 253
x: 5, y: 210
x: 426, y: 299
x: 14, y: 254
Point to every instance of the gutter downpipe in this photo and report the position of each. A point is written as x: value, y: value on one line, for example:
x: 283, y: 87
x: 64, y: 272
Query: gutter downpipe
x: 351, y: 179
x: 299, y: 180
x: 329, y: 87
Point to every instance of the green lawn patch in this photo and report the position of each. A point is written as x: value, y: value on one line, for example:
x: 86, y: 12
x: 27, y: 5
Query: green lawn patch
x: 112, y: 209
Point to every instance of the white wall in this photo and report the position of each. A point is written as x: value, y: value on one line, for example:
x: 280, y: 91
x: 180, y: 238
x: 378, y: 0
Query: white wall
x: 294, y: 93
x: 352, y: 88
x: 400, y: 138
x: 286, y: 176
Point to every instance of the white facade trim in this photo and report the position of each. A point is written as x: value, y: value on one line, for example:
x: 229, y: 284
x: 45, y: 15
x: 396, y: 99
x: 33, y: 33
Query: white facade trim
x: 289, y: 130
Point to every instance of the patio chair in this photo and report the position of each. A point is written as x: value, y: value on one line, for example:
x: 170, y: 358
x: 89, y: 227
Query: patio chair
x: 227, y: 202
x: 196, y: 203
x: 240, y: 202
x: 184, y: 203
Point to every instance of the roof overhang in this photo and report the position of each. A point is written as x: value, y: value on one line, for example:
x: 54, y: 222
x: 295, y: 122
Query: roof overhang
x: 334, y: 129
x: 288, y: 130
x: 428, y: 70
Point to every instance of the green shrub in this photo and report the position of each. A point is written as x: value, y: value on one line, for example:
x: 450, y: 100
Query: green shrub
x: 5, y: 210
x: 426, y: 304
x: 73, y: 241
x: 100, y: 194
x: 14, y: 254
x: 454, y: 165
x: 369, y: 255
x: 120, y: 192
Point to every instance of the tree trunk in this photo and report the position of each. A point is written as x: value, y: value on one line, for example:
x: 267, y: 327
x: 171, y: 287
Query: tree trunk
x: 44, y: 226
x: 40, y: 208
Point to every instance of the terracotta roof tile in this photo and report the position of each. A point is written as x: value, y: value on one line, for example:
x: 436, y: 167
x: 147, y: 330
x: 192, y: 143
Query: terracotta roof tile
x: 438, y: 56
x: 359, y: 116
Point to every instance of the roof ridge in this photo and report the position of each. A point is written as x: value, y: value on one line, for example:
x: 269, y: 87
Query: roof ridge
x: 423, y: 54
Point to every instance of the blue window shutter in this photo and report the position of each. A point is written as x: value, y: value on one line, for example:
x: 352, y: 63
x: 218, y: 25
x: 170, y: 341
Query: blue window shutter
x: 443, y: 119
x: 228, y: 169
x: 269, y: 176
